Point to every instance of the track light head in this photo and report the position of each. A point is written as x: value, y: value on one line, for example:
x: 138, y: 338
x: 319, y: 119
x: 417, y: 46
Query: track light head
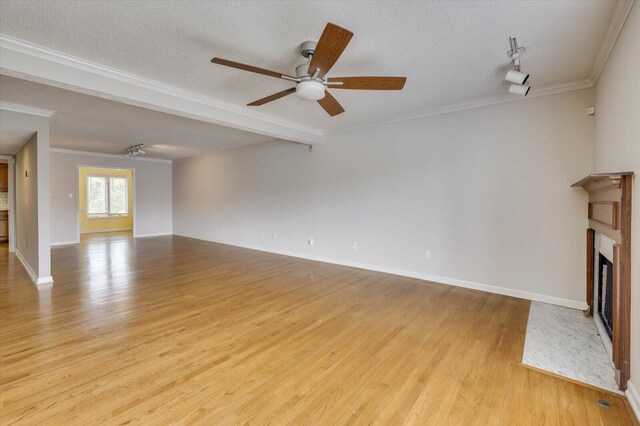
x: 519, y: 89
x: 138, y: 149
x: 134, y: 150
x: 516, y: 77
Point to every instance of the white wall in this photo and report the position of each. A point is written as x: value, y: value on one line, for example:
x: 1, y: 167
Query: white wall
x: 618, y: 149
x: 152, y: 197
x: 27, y: 203
x: 486, y: 190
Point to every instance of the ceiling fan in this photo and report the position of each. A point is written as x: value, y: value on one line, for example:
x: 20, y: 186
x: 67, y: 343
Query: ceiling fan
x: 311, y: 81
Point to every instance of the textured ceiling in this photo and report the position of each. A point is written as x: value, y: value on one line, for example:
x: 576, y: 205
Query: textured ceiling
x: 451, y: 51
x: 11, y: 140
x: 87, y: 123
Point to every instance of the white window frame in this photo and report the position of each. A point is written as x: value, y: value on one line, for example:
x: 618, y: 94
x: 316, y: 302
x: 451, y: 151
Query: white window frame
x: 108, y: 197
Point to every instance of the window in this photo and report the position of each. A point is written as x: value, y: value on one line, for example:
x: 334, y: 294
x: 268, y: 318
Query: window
x: 107, y: 196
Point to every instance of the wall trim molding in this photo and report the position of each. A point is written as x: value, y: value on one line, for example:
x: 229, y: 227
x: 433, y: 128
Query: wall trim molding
x: 99, y: 154
x: 102, y: 231
x: 34, y: 277
x: 620, y: 15
x: 241, y: 115
x: 26, y: 60
x: 634, y: 398
x: 63, y: 243
x: 80, y: 75
x: 553, y: 89
x: 44, y: 280
x: 489, y: 288
x: 23, y: 109
x: 162, y: 234
x: 27, y: 267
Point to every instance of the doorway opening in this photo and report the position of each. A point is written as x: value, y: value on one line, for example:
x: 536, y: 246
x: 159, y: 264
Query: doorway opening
x: 6, y: 224
x: 105, y: 202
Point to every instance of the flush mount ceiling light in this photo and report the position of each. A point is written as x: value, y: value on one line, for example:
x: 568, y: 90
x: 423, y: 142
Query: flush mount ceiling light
x: 517, y: 77
x: 134, y: 150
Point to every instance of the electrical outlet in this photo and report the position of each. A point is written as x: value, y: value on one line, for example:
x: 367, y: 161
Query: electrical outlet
x: 275, y: 236
x: 71, y: 195
x: 310, y: 241
x: 222, y: 228
x: 355, y: 245
x: 262, y: 234
x: 427, y: 254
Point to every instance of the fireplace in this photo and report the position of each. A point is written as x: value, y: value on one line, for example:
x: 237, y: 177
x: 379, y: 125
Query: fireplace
x: 604, y: 294
x: 609, y: 263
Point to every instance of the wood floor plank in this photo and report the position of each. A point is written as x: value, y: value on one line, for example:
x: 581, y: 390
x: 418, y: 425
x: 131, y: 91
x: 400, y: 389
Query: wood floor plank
x: 172, y: 330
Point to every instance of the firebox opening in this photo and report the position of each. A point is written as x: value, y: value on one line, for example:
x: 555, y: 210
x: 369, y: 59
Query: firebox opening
x: 604, y: 293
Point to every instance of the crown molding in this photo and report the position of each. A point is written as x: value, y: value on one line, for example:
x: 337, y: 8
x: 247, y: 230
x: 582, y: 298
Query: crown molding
x: 23, y: 109
x: 21, y: 59
x: 553, y: 89
x: 620, y: 15
x: 32, y: 62
x: 100, y: 154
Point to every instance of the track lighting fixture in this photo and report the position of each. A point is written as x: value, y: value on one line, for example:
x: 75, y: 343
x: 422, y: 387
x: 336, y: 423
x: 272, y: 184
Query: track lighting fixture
x: 519, y: 89
x: 517, y: 77
x: 134, y: 150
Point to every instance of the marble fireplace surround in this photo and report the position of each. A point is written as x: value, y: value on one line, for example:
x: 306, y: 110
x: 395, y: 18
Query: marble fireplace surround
x: 601, y: 245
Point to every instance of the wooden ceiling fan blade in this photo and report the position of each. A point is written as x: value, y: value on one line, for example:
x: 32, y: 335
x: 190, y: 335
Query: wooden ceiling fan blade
x: 273, y: 97
x: 368, y: 83
x: 333, y: 41
x: 330, y: 104
x: 246, y: 67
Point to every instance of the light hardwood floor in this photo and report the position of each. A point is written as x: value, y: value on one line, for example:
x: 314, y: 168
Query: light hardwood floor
x: 171, y: 330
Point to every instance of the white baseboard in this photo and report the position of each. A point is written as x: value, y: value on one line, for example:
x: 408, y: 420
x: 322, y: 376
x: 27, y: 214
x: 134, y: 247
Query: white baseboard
x: 34, y: 277
x: 26, y: 266
x: 63, y: 243
x: 100, y: 231
x: 634, y: 398
x: 162, y: 234
x: 44, y: 281
x: 521, y: 294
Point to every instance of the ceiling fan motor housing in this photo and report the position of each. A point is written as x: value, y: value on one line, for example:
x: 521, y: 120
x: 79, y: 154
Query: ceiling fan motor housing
x: 307, y: 48
x: 302, y: 70
x: 308, y: 88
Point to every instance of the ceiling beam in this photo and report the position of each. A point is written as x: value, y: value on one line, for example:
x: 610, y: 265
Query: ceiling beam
x: 28, y: 61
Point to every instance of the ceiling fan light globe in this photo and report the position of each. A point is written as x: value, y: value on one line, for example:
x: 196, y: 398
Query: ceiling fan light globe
x: 310, y: 90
